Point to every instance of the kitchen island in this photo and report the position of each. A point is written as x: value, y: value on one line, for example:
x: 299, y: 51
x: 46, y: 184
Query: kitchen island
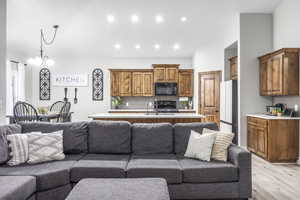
x: 172, y: 118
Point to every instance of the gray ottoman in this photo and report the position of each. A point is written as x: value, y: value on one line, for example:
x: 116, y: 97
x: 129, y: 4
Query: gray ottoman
x: 120, y: 189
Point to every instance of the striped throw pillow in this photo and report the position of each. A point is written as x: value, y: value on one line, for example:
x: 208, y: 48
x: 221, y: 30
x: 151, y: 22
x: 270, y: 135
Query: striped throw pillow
x: 18, y: 144
x: 222, y: 142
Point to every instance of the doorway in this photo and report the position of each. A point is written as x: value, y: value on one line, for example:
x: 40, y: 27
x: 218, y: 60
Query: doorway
x: 209, y: 95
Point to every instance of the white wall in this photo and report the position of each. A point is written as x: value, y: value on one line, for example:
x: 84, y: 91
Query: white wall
x: 85, y: 104
x: 256, y: 31
x: 286, y: 24
x: 2, y: 61
x: 287, y: 35
x: 210, y: 57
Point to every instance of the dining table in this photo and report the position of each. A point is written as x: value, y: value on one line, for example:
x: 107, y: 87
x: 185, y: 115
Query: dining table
x: 46, y: 117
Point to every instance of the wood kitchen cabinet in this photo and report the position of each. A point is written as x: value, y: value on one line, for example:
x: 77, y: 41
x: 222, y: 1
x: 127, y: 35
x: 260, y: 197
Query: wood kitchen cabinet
x: 142, y: 83
x: 185, y: 83
x: 233, y: 68
x: 121, y: 83
x: 276, y: 140
x: 279, y: 73
x: 131, y: 83
x: 115, y: 83
x: 165, y: 72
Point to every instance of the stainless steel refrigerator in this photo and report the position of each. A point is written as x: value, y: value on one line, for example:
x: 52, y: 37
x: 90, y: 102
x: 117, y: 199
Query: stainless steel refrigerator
x: 229, y: 108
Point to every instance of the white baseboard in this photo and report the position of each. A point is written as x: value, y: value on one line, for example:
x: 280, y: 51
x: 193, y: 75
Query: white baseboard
x: 298, y: 161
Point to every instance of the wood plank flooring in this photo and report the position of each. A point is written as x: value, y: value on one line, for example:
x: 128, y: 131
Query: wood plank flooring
x: 275, y: 181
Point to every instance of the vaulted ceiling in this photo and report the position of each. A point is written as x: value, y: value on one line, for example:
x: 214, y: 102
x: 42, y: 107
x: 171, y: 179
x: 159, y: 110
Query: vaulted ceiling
x: 85, y: 32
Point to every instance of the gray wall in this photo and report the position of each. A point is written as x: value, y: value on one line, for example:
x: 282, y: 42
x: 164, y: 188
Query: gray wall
x: 2, y: 60
x: 256, y: 31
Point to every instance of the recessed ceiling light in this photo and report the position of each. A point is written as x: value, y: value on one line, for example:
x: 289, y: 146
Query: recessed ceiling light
x: 157, y: 46
x: 159, y: 19
x: 183, y: 19
x: 176, y: 46
x: 137, y: 46
x: 110, y: 18
x: 135, y: 19
x: 117, y: 46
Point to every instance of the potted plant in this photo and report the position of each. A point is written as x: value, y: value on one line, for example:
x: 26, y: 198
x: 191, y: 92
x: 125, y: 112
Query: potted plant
x: 279, y: 112
x: 116, y: 102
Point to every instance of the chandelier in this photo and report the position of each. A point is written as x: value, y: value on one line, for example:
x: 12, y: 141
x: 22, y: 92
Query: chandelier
x: 43, y: 60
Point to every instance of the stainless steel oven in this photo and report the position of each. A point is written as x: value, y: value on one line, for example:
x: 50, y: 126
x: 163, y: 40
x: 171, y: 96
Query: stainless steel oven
x: 166, y: 89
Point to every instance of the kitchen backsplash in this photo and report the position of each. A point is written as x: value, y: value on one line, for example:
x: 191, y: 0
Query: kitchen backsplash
x: 141, y: 102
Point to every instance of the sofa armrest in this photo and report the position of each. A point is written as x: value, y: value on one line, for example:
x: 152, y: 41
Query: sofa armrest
x: 242, y: 159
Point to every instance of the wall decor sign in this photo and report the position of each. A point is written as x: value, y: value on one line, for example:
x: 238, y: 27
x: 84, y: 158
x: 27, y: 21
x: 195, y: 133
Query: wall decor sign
x: 97, y: 84
x: 45, y: 84
x: 75, y: 80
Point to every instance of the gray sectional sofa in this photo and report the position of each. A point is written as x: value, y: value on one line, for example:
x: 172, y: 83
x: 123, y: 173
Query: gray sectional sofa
x: 102, y: 149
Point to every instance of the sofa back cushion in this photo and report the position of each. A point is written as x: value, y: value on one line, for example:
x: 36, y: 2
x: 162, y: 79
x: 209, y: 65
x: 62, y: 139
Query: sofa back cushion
x: 152, y: 138
x: 182, y: 133
x: 4, y: 131
x: 109, y: 137
x: 74, y: 133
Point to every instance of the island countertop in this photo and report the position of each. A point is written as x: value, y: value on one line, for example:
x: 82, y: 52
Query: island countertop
x: 145, y: 115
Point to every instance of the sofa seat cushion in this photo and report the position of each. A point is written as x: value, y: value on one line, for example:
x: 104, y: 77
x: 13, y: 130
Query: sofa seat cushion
x: 17, y: 187
x: 100, y: 166
x: 155, y: 166
x: 48, y: 175
x: 196, y: 171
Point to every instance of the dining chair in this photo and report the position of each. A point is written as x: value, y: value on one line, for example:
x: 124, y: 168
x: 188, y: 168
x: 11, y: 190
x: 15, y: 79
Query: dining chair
x: 25, y: 112
x: 57, y: 106
x: 64, y: 113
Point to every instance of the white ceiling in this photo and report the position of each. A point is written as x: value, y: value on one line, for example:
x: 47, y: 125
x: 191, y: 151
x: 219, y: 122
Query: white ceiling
x: 84, y: 31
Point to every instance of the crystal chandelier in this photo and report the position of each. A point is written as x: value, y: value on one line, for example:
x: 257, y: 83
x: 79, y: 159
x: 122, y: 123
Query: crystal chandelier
x: 43, y: 60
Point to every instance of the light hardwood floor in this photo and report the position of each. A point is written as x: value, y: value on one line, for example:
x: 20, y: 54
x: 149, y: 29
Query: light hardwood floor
x: 275, y: 181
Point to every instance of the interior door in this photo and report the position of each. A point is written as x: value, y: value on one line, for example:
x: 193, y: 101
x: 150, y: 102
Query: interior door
x: 209, y: 95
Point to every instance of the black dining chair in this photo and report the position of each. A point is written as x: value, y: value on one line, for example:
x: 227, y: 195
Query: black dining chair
x: 64, y: 114
x: 57, y: 106
x: 25, y: 112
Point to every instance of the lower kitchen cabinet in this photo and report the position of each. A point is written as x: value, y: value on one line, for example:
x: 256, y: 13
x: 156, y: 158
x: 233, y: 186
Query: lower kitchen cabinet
x: 276, y: 140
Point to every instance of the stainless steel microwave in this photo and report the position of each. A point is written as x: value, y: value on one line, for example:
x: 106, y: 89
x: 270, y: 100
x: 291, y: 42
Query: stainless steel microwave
x: 166, y: 89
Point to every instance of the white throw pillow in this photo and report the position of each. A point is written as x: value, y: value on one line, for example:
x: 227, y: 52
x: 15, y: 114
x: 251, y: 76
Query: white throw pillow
x: 222, y: 142
x: 45, y: 147
x: 18, y: 144
x: 200, y: 146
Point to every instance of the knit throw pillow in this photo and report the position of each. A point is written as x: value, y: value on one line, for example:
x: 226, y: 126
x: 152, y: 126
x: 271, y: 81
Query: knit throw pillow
x: 18, y: 145
x: 200, y: 146
x: 45, y: 147
x: 222, y: 142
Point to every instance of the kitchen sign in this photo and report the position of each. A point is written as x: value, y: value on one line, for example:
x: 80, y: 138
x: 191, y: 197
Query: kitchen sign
x: 76, y: 80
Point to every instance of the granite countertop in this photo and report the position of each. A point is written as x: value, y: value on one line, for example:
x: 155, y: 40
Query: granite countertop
x: 144, y: 115
x: 264, y: 116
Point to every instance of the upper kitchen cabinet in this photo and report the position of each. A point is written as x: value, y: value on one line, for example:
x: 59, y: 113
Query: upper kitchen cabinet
x: 165, y: 72
x: 233, y: 68
x: 185, y: 83
x: 142, y: 83
x: 279, y: 73
x: 121, y: 83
